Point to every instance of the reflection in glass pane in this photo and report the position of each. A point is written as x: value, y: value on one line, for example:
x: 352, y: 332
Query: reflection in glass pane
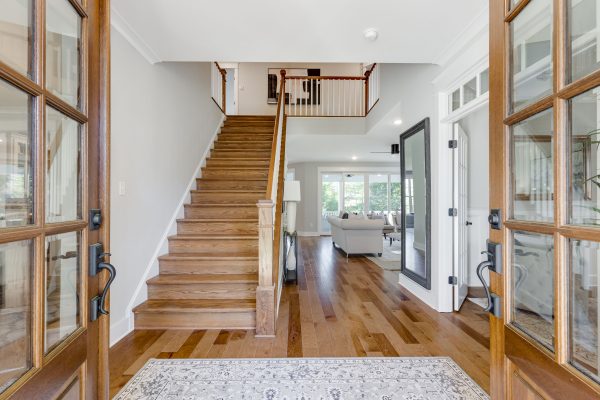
x: 414, y: 220
x: 15, y: 311
x: 63, y: 41
x: 484, y: 82
x: 354, y: 193
x: 62, y: 287
x: 583, y: 333
x: 532, y: 168
x: 456, y: 100
x: 583, y: 30
x: 470, y: 91
x: 378, y: 193
x: 16, y: 174
x: 331, y: 186
x: 531, y: 54
x: 533, y: 285
x: 584, y: 112
x: 16, y: 34
x: 63, y: 167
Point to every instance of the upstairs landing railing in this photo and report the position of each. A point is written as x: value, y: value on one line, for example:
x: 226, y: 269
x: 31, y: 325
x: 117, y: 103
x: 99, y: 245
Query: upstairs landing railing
x: 332, y: 96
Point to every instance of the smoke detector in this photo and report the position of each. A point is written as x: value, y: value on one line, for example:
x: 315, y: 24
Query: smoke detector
x: 371, y: 34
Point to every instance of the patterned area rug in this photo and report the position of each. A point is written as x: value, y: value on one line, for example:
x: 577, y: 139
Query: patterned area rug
x: 406, y: 378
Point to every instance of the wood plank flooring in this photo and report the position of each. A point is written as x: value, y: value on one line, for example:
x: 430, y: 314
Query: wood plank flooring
x: 338, y: 308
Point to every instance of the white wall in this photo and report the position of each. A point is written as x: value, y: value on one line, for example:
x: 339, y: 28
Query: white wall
x: 476, y: 125
x: 253, y: 83
x: 162, y: 123
x: 460, y: 61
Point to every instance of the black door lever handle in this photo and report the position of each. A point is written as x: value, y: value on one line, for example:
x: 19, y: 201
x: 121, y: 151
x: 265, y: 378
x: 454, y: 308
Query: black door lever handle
x: 480, y: 268
x: 112, y: 274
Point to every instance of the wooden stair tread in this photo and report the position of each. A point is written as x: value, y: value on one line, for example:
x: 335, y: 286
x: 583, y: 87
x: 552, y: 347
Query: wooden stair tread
x: 203, y: 305
x: 212, y: 236
x: 217, y: 220
x: 219, y: 179
x: 227, y: 191
x: 236, y: 159
x: 236, y: 168
x: 209, y: 256
x: 200, y: 205
x: 185, y: 279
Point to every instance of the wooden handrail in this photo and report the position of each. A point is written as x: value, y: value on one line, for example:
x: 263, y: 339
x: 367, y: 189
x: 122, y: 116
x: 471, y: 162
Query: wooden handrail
x: 329, y: 78
x: 269, y: 227
x: 223, y: 72
x: 278, y: 212
x: 275, y: 141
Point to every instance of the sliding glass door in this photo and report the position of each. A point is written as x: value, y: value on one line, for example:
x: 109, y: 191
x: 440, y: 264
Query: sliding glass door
x: 360, y: 193
x: 331, y: 196
x: 378, y: 193
x: 354, y: 193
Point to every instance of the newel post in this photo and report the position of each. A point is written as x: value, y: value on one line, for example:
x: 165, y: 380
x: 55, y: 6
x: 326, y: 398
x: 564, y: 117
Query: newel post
x: 265, y: 292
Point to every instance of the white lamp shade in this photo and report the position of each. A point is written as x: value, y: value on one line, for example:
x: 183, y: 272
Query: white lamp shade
x: 291, y: 190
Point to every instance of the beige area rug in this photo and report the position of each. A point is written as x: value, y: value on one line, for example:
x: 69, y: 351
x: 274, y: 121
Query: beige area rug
x: 403, y: 378
x: 390, y: 259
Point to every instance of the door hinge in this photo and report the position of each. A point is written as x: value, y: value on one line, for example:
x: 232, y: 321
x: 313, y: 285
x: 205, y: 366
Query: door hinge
x: 452, y: 144
x: 452, y: 212
x: 452, y: 280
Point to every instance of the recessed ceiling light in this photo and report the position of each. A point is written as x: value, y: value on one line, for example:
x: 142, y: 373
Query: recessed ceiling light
x: 354, y: 158
x: 398, y: 122
x: 371, y: 34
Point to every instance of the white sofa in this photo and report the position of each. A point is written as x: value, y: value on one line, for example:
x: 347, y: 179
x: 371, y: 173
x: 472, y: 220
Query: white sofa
x: 357, y: 236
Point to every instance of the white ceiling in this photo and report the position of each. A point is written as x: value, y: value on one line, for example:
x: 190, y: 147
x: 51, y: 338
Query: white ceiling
x: 410, y: 31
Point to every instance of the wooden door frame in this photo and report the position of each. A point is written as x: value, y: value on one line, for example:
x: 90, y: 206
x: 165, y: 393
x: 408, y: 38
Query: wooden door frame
x: 93, y: 341
x: 510, y: 350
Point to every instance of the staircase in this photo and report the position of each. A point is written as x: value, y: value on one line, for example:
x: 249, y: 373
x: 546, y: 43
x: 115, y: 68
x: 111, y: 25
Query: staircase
x: 208, y: 279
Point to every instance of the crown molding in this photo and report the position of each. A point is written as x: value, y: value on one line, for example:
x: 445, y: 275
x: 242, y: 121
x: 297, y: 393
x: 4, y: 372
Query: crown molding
x: 470, y: 33
x: 120, y: 24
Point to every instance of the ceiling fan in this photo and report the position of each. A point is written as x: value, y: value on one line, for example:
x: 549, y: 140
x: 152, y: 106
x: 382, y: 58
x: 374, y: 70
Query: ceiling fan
x: 395, y: 149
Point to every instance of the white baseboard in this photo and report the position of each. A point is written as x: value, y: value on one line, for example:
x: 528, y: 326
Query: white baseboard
x: 301, y: 233
x: 140, y: 294
x: 120, y: 329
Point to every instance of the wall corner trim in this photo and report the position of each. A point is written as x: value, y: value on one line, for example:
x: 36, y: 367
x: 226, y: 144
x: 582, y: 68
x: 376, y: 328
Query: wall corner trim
x: 466, y: 36
x: 122, y: 26
x: 171, y: 225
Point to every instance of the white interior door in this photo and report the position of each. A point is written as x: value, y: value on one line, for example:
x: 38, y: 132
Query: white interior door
x: 461, y: 234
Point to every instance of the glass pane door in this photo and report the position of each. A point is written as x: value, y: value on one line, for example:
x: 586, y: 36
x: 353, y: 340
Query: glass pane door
x: 378, y: 194
x: 44, y: 128
x: 545, y: 113
x: 354, y: 193
x: 331, y: 191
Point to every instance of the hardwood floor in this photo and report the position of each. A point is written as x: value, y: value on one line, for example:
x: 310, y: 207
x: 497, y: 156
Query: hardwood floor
x: 338, y: 308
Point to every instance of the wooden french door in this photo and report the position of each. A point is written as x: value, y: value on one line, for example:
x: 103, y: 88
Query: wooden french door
x: 545, y: 182
x: 53, y: 171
